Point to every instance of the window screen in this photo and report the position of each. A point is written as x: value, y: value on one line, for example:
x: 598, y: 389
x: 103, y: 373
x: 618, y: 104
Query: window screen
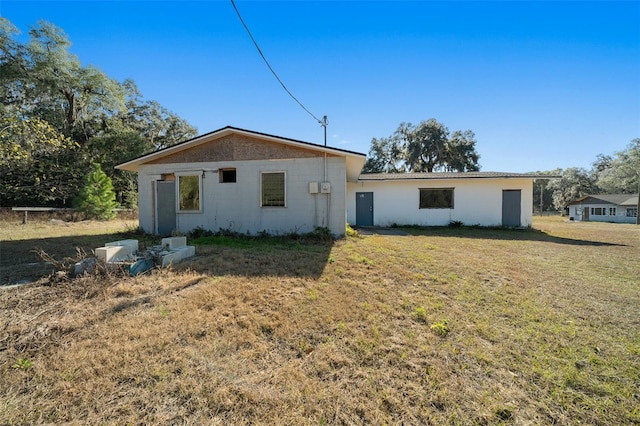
x: 272, y: 190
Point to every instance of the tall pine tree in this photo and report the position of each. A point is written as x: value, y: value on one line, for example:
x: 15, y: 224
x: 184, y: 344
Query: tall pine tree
x: 96, y: 199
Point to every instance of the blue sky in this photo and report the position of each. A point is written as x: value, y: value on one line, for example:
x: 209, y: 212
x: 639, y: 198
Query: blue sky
x: 542, y: 84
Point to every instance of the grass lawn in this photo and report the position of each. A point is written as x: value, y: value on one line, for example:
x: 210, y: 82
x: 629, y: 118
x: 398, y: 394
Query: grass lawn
x: 441, y: 326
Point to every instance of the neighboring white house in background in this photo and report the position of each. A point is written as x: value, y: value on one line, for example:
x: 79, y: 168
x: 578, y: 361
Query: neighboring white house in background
x: 436, y: 199
x: 251, y: 182
x: 619, y: 208
x: 244, y: 181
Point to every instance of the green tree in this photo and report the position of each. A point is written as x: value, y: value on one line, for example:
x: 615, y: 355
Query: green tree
x: 159, y: 127
x: 144, y: 126
x: 13, y: 67
x: 385, y: 156
x: 461, y: 152
x: 131, y: 144
x: 42, y: 82
x: 96, y: 198
x: 44, y: 79
x: 427, y: 147
x: 38, y: 165
x: 575, y: 182
x: 621, y: 173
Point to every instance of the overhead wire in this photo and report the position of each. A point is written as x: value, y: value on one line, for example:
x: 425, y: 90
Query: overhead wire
x: 322, y: 122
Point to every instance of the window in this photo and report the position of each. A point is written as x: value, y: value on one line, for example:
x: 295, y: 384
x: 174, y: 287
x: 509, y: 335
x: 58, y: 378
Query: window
x: 272, y: 189
x: 632, y: 212
x: 227, y: 175
x: 189, y: 193
x: 612, y: 211
x: 598, y: 211
x: 436, y: 198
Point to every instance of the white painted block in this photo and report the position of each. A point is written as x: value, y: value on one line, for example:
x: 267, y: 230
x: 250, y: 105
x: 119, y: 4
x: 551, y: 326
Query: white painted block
x: 173, y: 243
x: 113, y: 253
x: 170, y: 258
x: 87, y: 265
x: 129, y: 243
x: 187, y: 251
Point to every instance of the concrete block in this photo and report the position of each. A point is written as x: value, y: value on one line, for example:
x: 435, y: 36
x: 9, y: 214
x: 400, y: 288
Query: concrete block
x: 187, y: 251
x: 170, y: 258
x: 85, y: 266
x: 129, y: 243
x: 173, y: 243
x: 113, y: 253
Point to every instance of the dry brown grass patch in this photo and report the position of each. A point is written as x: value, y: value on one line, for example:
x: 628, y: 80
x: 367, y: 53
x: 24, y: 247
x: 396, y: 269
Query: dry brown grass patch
x: 542, y: 330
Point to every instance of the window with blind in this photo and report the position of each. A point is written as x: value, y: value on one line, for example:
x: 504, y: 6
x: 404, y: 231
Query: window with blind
x: 272, y: 189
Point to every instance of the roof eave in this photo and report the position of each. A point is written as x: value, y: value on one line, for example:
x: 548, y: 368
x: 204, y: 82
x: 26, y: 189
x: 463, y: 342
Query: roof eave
x: 461, y: 175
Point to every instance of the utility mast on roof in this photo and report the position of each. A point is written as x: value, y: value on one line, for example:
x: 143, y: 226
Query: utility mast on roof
x: 324, y: 123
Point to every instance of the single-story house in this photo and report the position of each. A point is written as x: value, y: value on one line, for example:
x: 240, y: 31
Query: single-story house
x: 436, y: 199
x: 620, y: 208
x: 246, y: 182
x: 251, y: 182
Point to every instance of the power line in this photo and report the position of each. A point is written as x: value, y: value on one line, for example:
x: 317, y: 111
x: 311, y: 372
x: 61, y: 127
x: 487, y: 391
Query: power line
x: 322, y: 122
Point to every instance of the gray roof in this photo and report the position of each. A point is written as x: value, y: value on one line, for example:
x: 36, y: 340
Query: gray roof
x: 621, y: 199
x: 451, y: 175
x: 618, y: 199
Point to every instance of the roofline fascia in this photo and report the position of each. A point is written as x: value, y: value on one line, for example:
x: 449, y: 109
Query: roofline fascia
x: 454, y: 178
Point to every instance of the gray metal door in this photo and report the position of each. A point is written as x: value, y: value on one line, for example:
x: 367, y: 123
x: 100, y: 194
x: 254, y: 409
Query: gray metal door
x: 166, y: 207
x: 511, y: 207
x: 364, y: 208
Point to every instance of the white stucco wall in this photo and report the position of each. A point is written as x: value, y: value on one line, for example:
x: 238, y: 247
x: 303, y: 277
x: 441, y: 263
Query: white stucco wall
x: 236, y: 206
x: 476, y: 201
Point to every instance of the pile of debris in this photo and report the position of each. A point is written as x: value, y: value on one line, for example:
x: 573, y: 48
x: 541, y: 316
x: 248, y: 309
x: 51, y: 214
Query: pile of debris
x: 125, y: 253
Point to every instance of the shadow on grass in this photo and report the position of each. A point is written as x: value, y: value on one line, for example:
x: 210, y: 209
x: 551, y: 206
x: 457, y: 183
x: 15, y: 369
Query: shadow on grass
x: 241, y: 256
x: 220, y: 255
x: 20, y: 260
x: 501, y: 234
x: 253, y: 257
